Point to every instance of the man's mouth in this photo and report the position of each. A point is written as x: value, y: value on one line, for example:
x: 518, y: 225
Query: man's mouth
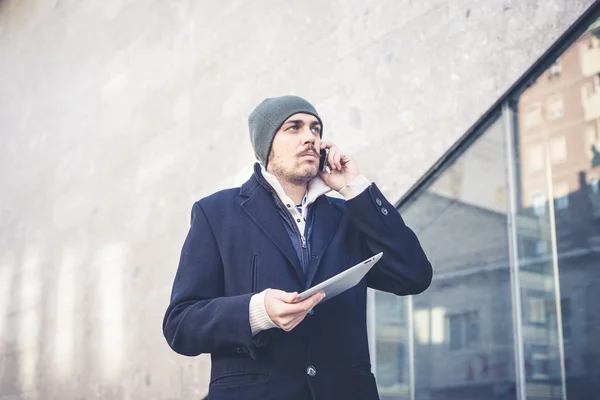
x: 309, y: 153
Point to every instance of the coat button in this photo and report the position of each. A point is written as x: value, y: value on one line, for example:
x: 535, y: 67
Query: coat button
x: 311, y: 371
x: 311, y: 312
x: 384, y: 210
x: 378, y: 201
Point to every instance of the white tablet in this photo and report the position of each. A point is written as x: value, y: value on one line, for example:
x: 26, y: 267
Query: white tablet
x: 342, y: 281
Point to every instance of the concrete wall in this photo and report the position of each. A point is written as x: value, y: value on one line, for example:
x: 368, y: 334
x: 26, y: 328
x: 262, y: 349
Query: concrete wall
x: 116, y: 115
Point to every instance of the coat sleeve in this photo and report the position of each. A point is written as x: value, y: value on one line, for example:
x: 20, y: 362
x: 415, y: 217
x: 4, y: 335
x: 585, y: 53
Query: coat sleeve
x: 199, y: 319
x: 404, y: 268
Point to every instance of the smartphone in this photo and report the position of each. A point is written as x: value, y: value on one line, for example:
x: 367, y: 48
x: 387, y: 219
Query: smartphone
x: 323, y: 164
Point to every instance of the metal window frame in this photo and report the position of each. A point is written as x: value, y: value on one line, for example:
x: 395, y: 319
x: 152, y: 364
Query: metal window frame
x: 513, y: 248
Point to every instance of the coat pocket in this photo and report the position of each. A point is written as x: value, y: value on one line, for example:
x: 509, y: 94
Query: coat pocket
x: 254, y: 274
x: 240, y: 379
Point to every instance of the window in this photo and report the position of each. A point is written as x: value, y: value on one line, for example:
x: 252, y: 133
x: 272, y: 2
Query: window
x: 594, y: 187
x: 391, y: 361
x: 527, y: 247
x: 530, y: 247
x: 594, y: 195
x: 562, y: 203
x: 540, y: 363
x: 536, y: 158
x: 555, y: 107
x: 463, y: 330
x: 558, y: 149
x: 535, y: 312
x: 590, y: 88
x: 587, y: 90
x: 554, y: 70
x: 561, y: 195
x: 390, y: 309
x: 539, y: 204
x: 592, y: 145
x: 472, y: 329
x: 541, y: 247
x: 533, y: 115
x: 455, y: 332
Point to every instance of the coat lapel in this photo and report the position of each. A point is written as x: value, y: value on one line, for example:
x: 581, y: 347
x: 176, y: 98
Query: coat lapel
x: 325, y: 225
x: 261, y: 209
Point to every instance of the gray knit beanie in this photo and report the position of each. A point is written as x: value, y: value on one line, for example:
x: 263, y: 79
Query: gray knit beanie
x: 266, y: 119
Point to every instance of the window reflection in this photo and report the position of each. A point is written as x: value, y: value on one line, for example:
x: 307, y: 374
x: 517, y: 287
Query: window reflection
x: 464, y: 330
x: 459, y: 340
x: 391, y: 353
x: 559, y: 283
x: 463, y: 323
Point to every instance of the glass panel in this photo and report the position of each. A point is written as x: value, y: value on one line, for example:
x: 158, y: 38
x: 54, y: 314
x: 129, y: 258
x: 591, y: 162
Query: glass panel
x: 391, y: 346
x: 462, y: 325
x: 559, y: 241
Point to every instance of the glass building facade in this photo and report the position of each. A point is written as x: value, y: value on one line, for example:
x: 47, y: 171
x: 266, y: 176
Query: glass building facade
x: 510, y: 219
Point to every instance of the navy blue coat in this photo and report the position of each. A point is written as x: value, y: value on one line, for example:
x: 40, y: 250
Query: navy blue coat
x: 237, y: 246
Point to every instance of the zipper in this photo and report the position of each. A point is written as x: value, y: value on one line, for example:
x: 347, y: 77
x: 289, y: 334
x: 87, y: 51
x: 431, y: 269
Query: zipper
x: 304, y: 252
x: 305, y: 256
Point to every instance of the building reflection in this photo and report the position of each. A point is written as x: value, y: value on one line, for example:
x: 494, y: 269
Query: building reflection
x: 463, y: 325
x: 559, y: 137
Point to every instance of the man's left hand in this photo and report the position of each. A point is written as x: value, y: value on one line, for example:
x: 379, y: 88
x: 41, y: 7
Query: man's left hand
x: 343, y: 167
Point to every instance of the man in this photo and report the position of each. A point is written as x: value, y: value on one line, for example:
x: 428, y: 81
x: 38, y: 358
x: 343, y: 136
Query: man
x: 251, y: 250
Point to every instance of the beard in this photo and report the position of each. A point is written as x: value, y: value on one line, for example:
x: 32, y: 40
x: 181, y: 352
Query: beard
x: 300, y: 174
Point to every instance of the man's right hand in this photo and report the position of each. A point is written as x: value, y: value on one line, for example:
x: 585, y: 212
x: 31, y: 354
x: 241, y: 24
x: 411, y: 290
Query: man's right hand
x: 284, y: 312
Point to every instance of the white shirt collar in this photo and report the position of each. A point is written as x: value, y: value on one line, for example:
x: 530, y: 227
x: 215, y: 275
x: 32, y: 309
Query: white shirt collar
x: 316, y: 187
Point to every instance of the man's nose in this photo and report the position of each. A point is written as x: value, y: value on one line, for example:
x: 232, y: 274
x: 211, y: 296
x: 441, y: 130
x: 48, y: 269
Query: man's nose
x: 308, y: 136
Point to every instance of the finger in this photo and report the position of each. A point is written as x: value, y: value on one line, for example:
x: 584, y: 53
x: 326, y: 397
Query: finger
x: 286, y: 311
x: 316, y: 299
x: 292, y: 310
x: 334, y: 158
x: 325, y: 144
x: 345, y: 158
x: 309, y: 303
x: 290, y: 297
x: 293, y: 315
x: 338, y: 158
x: 331, y: 158
x: 286, y: 297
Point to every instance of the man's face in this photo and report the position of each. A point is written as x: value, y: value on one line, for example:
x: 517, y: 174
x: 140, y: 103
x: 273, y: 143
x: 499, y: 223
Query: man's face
x: 294, y: 154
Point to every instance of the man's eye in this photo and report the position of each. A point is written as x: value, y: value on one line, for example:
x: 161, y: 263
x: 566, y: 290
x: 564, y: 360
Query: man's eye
x: 316, y: 129
x: 293, y: 127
